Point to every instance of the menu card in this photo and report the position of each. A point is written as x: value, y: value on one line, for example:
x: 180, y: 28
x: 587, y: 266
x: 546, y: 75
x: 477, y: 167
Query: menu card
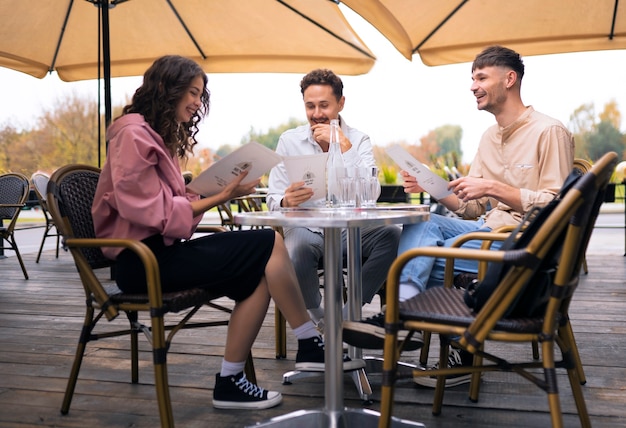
x: 252, y: 157
x: 436, y: 186
x: 308, y: 168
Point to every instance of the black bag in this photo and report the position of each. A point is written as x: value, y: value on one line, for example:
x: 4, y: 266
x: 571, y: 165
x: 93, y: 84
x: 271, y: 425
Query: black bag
x: 535, y: 294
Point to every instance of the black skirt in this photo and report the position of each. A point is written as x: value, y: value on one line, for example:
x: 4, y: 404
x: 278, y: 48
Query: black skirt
x: 229, y: 263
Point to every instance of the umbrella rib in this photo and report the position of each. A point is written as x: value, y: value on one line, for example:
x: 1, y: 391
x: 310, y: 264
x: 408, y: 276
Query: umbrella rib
x: 613, y: 21
x: 56, y: 50
x: 180, y: 19
x: 326, y: 29
x: 446, y: 19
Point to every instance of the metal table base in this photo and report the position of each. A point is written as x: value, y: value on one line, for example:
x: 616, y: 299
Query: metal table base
x: 347, y: 418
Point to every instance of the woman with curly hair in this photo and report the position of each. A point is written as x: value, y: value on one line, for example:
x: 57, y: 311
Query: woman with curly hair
x: 141, y: 195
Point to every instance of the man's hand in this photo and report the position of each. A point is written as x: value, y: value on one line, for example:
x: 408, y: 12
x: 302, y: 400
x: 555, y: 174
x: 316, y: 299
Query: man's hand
x: 296, y: 194
x: 321, y: 134
x: 410, y: 183
x: 468, y: 188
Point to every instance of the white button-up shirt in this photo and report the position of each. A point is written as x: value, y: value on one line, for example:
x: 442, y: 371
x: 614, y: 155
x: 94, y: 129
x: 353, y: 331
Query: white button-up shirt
x: 299, y: 141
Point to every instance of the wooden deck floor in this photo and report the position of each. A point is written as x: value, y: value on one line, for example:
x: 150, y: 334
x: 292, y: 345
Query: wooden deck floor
x: 40, y: 321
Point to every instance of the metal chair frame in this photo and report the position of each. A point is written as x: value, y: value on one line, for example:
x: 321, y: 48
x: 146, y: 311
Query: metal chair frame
x: 14, y: 190
x: 70, y: 195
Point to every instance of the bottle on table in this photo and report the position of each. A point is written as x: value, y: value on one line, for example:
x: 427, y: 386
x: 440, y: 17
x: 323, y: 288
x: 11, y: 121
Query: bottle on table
x: 335, y: 167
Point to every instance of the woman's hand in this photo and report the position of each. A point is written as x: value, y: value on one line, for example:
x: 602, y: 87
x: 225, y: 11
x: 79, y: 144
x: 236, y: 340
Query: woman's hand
x: 235, y: 189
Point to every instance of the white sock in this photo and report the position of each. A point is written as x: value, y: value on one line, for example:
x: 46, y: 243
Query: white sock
x: 230, y: 369
x: 306, y: 331
x: 407, y: 291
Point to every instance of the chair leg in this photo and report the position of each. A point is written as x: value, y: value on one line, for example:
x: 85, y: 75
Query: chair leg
x: 280, y: 331
x: 43, y: 240
x: 78, y: 359
x: 579, y: 398
x: 551, y: 388
x: 426, y: 336
x: 567, y: 334
x: 159, y: 358
x: 444, y: 351
x: 133, y: 318
x: 11, y: 241
x: 535, y: 347
x: 475, y: 382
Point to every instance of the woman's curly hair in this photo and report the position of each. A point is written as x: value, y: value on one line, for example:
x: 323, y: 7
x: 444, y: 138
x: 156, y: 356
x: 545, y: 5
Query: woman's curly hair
x: 164, y: 84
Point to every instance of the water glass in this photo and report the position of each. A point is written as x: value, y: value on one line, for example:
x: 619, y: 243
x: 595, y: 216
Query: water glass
x: 368, y: 187
x: 348, y: 186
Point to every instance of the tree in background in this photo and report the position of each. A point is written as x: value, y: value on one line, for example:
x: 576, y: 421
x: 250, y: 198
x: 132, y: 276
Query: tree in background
x: 10, y: 141
x: 67, y: 133
x: 596, y: 136
x: 270, y: 138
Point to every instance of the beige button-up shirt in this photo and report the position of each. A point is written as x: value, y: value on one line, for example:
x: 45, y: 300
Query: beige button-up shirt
x: 535, y: 154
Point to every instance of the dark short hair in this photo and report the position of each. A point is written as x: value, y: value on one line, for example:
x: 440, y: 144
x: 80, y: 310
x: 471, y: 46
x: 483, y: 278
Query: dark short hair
x: 323, y: 76
x: 499, y: 56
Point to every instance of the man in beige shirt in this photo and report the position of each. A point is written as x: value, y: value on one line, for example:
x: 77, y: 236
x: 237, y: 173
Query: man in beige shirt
x: 522, y: 161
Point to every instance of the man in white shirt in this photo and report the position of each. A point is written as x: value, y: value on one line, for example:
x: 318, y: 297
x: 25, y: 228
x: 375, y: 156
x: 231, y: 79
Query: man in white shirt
x: 322, y: 93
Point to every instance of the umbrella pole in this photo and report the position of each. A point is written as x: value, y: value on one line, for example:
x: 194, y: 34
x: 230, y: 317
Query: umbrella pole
x: 106, y: 54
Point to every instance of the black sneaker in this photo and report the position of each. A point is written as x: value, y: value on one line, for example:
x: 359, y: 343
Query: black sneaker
x: 456, y: 358
x: 370, y: 334
x: 237, y: 392
x: 310, y: 357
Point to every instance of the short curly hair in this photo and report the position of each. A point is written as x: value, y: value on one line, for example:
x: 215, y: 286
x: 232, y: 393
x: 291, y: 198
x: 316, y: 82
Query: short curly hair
x: 322, y: 76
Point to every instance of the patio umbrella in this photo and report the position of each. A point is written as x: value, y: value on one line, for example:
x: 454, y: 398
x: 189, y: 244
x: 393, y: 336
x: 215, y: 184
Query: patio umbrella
x: 87, y: 39
x: 454, y: 31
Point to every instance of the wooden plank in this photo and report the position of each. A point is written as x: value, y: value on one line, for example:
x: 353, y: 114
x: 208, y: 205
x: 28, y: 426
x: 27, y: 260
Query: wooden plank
x: 40, y: 320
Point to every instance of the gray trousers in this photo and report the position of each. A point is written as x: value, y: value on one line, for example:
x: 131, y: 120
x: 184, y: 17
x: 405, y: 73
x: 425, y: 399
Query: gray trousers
x: 379, y: 247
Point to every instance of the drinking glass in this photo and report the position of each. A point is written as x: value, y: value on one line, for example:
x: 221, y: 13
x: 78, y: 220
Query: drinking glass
x: 348, y: 186
x: 368, y: 187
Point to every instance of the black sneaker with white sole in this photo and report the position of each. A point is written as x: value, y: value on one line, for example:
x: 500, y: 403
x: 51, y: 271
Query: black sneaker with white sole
x: 370, y: 334
x: 310, y: 357
x: 456, y: 358
x: 237, y: 392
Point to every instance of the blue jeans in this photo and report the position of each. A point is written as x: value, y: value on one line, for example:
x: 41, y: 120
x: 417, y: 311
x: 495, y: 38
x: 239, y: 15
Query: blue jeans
x: 441, y: 231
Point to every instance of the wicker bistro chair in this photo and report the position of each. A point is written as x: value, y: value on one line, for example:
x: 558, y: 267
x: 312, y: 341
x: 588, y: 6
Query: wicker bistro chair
x: 70, y: 195
x: 582, y: 166
x: 40, y: 185
x: 443, y: 310
x: 14, y: 189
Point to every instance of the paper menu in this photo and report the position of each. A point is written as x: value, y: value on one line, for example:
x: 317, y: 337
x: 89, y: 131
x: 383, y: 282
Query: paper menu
x: 436, y: 186
x: 252, y: 157
x: 308, y: 168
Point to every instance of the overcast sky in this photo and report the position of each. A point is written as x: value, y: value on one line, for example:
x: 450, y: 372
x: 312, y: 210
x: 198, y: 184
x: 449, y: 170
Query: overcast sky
x: 397, y: 100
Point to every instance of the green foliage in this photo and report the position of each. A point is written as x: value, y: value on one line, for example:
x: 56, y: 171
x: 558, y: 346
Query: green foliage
x: 448, y: 138
x: 390, y: 173
x: 594, y: 138
x: 270, y: 138
x: 603, y: 139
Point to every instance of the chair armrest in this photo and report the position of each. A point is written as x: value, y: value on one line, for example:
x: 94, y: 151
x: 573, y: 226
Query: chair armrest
x: 153, y: 277
x: 206, y: 228
x: 487, y: 237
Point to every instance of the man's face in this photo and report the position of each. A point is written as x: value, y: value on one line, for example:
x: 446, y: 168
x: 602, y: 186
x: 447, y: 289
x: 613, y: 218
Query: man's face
x: 321, y: 105
x: 489, y: 88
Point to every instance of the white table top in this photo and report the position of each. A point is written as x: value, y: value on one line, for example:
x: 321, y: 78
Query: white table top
x: 335, y: 217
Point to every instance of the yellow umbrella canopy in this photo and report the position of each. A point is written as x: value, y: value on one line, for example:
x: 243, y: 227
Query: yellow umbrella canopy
x: 453, y: 31
x: 39, y: 36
